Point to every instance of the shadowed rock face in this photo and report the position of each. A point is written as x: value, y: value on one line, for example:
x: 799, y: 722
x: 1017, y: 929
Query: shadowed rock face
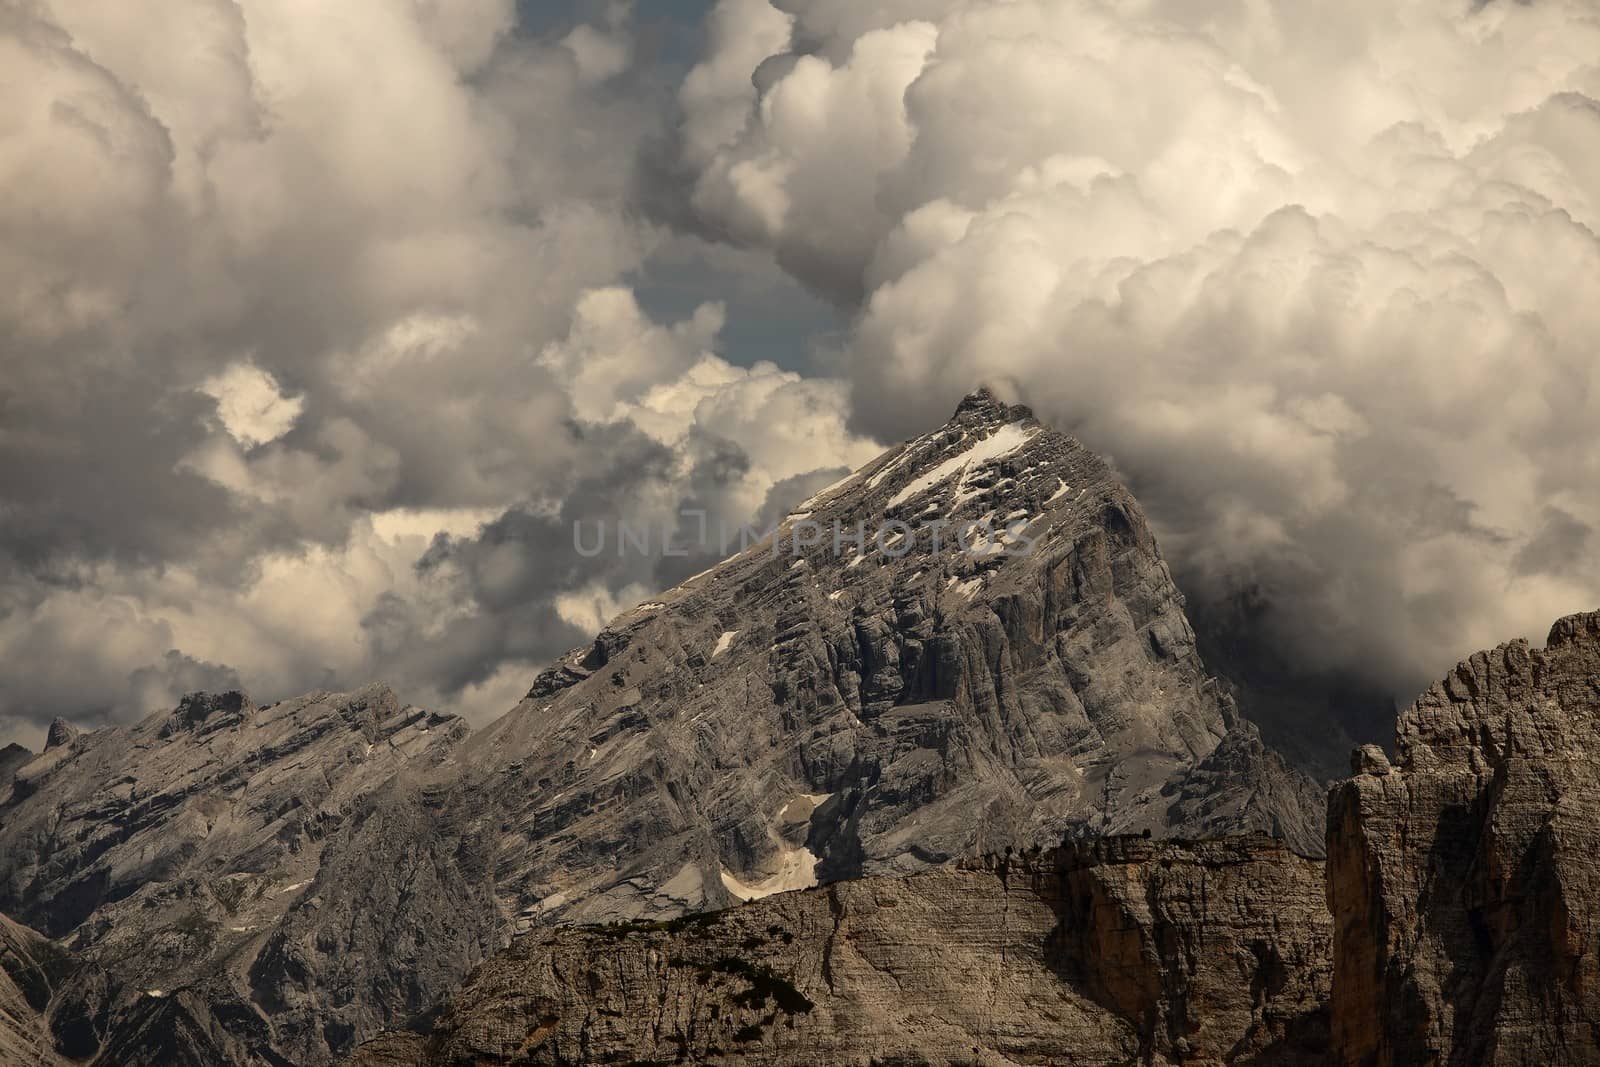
x: 1119, y: 951
x: 1464, y: 878
x: 12, y: 757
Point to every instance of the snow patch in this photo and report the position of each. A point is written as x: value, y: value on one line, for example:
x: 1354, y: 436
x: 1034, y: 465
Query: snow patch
x: 1004, y: 441
x: 965, y: 590
x: 797, y: 869
x: 724, y: 642
x: 895, y: 463
x: 802, y: 806
x: 1060, y: 492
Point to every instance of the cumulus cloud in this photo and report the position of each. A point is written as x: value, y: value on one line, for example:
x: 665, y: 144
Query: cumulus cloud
x: 250, y: 404
x: 316, y: 335
x: 1318, y: 278
x: 311, y: 365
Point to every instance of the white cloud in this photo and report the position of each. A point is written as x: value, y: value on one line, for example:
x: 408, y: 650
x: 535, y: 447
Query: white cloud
x: 1315, y: 276
x: 271, y: 323
x: 250, y: 404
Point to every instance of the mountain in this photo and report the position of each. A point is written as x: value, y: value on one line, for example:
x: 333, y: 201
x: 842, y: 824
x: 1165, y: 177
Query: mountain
x: 875, y: 689
x: 31, y: 968
x: 991, y: 654
x: 1452, y: 924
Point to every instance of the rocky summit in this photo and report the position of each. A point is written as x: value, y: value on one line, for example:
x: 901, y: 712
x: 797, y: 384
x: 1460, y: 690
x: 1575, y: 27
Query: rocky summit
x: 933, y: 773
x: 969, y: 644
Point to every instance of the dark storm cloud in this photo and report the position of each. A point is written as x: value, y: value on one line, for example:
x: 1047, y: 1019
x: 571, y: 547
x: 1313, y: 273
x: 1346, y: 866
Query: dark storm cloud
x: 1561, y: 546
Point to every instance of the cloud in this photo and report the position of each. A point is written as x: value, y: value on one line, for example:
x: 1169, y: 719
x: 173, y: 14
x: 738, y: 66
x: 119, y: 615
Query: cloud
x: 1315, y: 277
x: 250, y: 404
x: 309, y: 365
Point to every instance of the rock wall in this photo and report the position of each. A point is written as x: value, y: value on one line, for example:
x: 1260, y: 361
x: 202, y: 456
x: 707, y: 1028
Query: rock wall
x: 1123, y: 951
x: 1215, y: 951
x: 1464, y: 878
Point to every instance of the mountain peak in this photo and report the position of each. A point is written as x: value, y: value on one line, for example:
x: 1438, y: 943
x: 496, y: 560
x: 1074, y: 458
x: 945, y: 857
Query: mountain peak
x: 61, y: 733
x: 983, y: 404
x: 208, y: 711
x: 1582, y: 628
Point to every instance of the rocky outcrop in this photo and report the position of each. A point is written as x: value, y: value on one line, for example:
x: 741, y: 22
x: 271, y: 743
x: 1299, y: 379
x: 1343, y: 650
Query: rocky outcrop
x: 182, y: 863
x: 1463, y: 878
x: 61, y: 732
x: 1216, y: 951
x: 1118, y: 951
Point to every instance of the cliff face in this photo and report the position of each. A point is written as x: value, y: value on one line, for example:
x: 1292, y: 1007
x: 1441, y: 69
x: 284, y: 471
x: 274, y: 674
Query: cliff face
x: 1120, y: 951
x: 1463, y: 879
x: 1216, y: 951
x: 182, y: 863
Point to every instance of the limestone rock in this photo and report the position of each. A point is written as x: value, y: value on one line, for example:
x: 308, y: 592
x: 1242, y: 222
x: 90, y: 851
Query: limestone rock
x: 1463, y: 879
x: 61, y: 732
x: 12, y: 757
x: 1116, y: 951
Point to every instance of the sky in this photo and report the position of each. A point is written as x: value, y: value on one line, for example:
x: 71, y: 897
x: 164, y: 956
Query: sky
x: 320, y: 325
